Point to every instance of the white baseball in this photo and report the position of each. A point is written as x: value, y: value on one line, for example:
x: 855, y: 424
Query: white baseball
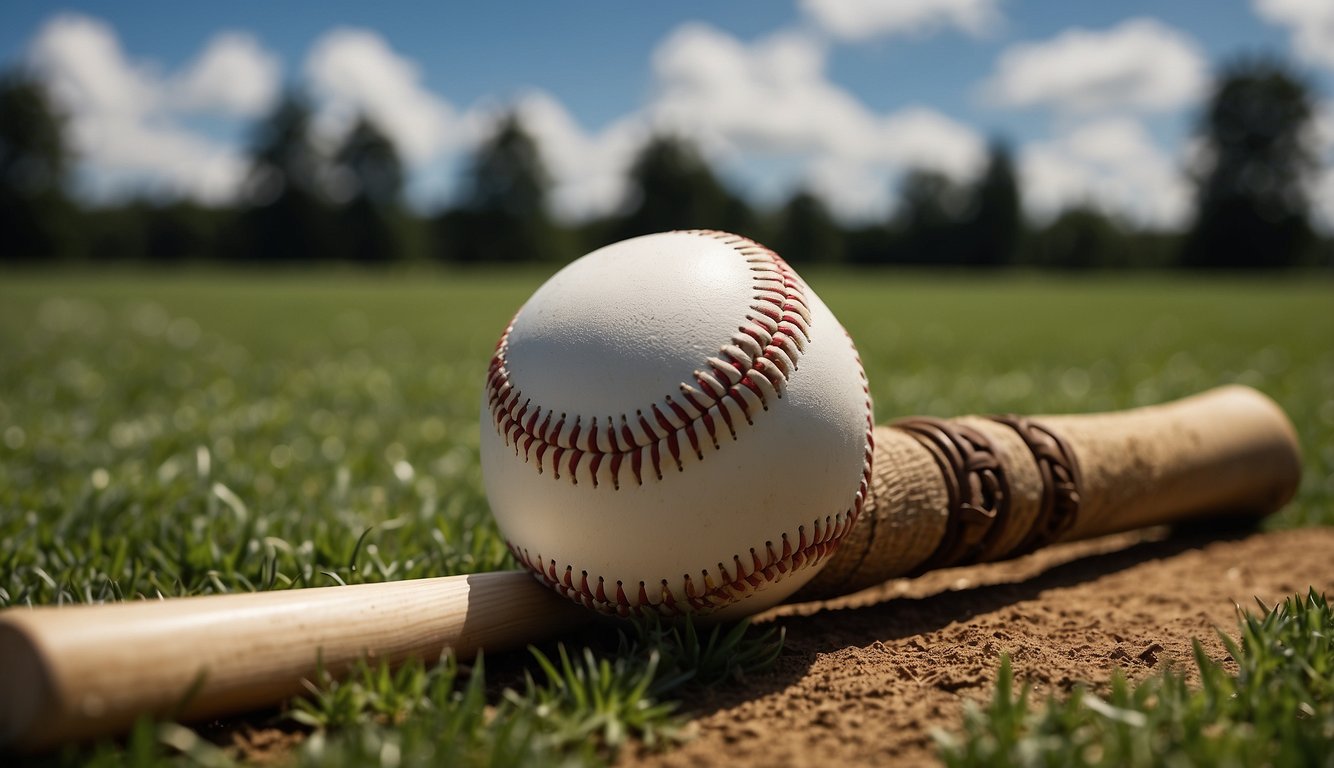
x: 676, y: 424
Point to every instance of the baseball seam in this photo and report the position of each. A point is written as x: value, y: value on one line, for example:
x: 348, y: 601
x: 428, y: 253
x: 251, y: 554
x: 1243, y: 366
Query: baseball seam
x: 710, y: 591
x: 741, y: 380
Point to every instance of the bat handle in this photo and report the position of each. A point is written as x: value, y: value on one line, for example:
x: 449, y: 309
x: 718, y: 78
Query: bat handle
x: 982, y: 488
x: 75, y: 672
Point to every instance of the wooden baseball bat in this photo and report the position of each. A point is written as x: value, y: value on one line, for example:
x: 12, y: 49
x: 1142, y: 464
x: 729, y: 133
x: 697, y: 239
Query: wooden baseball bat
x: 943, y: 493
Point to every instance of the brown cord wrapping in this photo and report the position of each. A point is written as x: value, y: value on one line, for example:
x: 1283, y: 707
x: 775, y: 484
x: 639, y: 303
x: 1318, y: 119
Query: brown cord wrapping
x: 977, y: 488
x: 1061, y: 483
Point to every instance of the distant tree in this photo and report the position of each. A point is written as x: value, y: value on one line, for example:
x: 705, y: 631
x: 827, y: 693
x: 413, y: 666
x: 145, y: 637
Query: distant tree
x: 163, y: 232
x: 508, y: 174
x: 807, y: 232
x: 671, y: 187
x: 871, y: 244
x: 371, y: 221
x: 36, y: 217
x: 286, y: 217
x: 929, y: 222
x: 1081, y: 237
x: 994, y: 221
x: 115, y: 233
x: 504, y: 215
x: 376, y: 170
x: 179, y: 231
x: 1323, y: 252
x: 1153, y: 248
x: 1252, y: 206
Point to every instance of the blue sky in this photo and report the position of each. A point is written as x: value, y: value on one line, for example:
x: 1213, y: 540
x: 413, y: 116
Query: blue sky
x: 1097, y: 98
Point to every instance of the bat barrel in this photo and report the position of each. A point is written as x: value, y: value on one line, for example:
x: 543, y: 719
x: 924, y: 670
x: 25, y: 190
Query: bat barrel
x: 75, y: 672
x: 983, y: 488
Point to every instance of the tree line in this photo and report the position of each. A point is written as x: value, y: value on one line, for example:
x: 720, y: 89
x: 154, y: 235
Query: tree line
x: 303, y: 205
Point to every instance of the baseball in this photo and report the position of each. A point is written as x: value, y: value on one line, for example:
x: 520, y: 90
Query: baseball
x: 675, y: 424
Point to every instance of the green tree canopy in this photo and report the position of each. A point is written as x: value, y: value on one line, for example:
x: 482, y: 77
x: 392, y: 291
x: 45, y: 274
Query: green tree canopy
x: 35, y: 158
x: 286, y: 217
x: 282, y: 156
x: 1251, y: 186
x: 807, y: 232
x: 671, y: 187
x: 929, y: 222
x: 508, y: 174
x: 995, y: 218
x: 1081, y: 237
x: 369, y: 157
x: 371, y: 222
x: 504, y: 215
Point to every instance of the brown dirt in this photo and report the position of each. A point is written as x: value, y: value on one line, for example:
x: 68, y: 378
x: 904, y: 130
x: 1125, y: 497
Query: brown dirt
x: 863, y: 680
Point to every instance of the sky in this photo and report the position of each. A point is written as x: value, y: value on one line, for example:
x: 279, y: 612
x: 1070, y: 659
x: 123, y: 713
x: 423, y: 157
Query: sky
x: 1098, y: 100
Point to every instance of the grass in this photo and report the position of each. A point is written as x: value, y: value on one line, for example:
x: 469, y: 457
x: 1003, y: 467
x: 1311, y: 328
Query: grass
x: 1277, y: 709
x: 583, y: 705
x: 218, y: 432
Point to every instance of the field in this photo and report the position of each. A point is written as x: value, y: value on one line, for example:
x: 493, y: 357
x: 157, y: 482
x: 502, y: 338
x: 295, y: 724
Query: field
x: 216, y: 432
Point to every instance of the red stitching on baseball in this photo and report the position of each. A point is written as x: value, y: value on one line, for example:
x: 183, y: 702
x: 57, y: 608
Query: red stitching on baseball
x: 748, y: 372
x: 779, y: 328
x: 714, y: 589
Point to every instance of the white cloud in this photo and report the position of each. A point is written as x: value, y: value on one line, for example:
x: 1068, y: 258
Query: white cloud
x: 866, y: 19
x: 164, y: 159
x: 921, y: 137
x: 1322, y: 193
x: 1311, y: 23
x: 588, y: 169
x: 1140, y: 64
x: 853, y: 190
x: 1324, y: 199
x: 354, y: 71
x: 773, y: 97
x: 1324, y: 128
x: 121, y: 124
x: 234, y: 76
x: 769, y: 96
x: 82, y: 62
x: 1112, y: 164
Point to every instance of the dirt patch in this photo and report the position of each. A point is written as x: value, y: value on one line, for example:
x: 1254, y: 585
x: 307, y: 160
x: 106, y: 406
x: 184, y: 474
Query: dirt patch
x: 865, y: 679
x: 264, y: 745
